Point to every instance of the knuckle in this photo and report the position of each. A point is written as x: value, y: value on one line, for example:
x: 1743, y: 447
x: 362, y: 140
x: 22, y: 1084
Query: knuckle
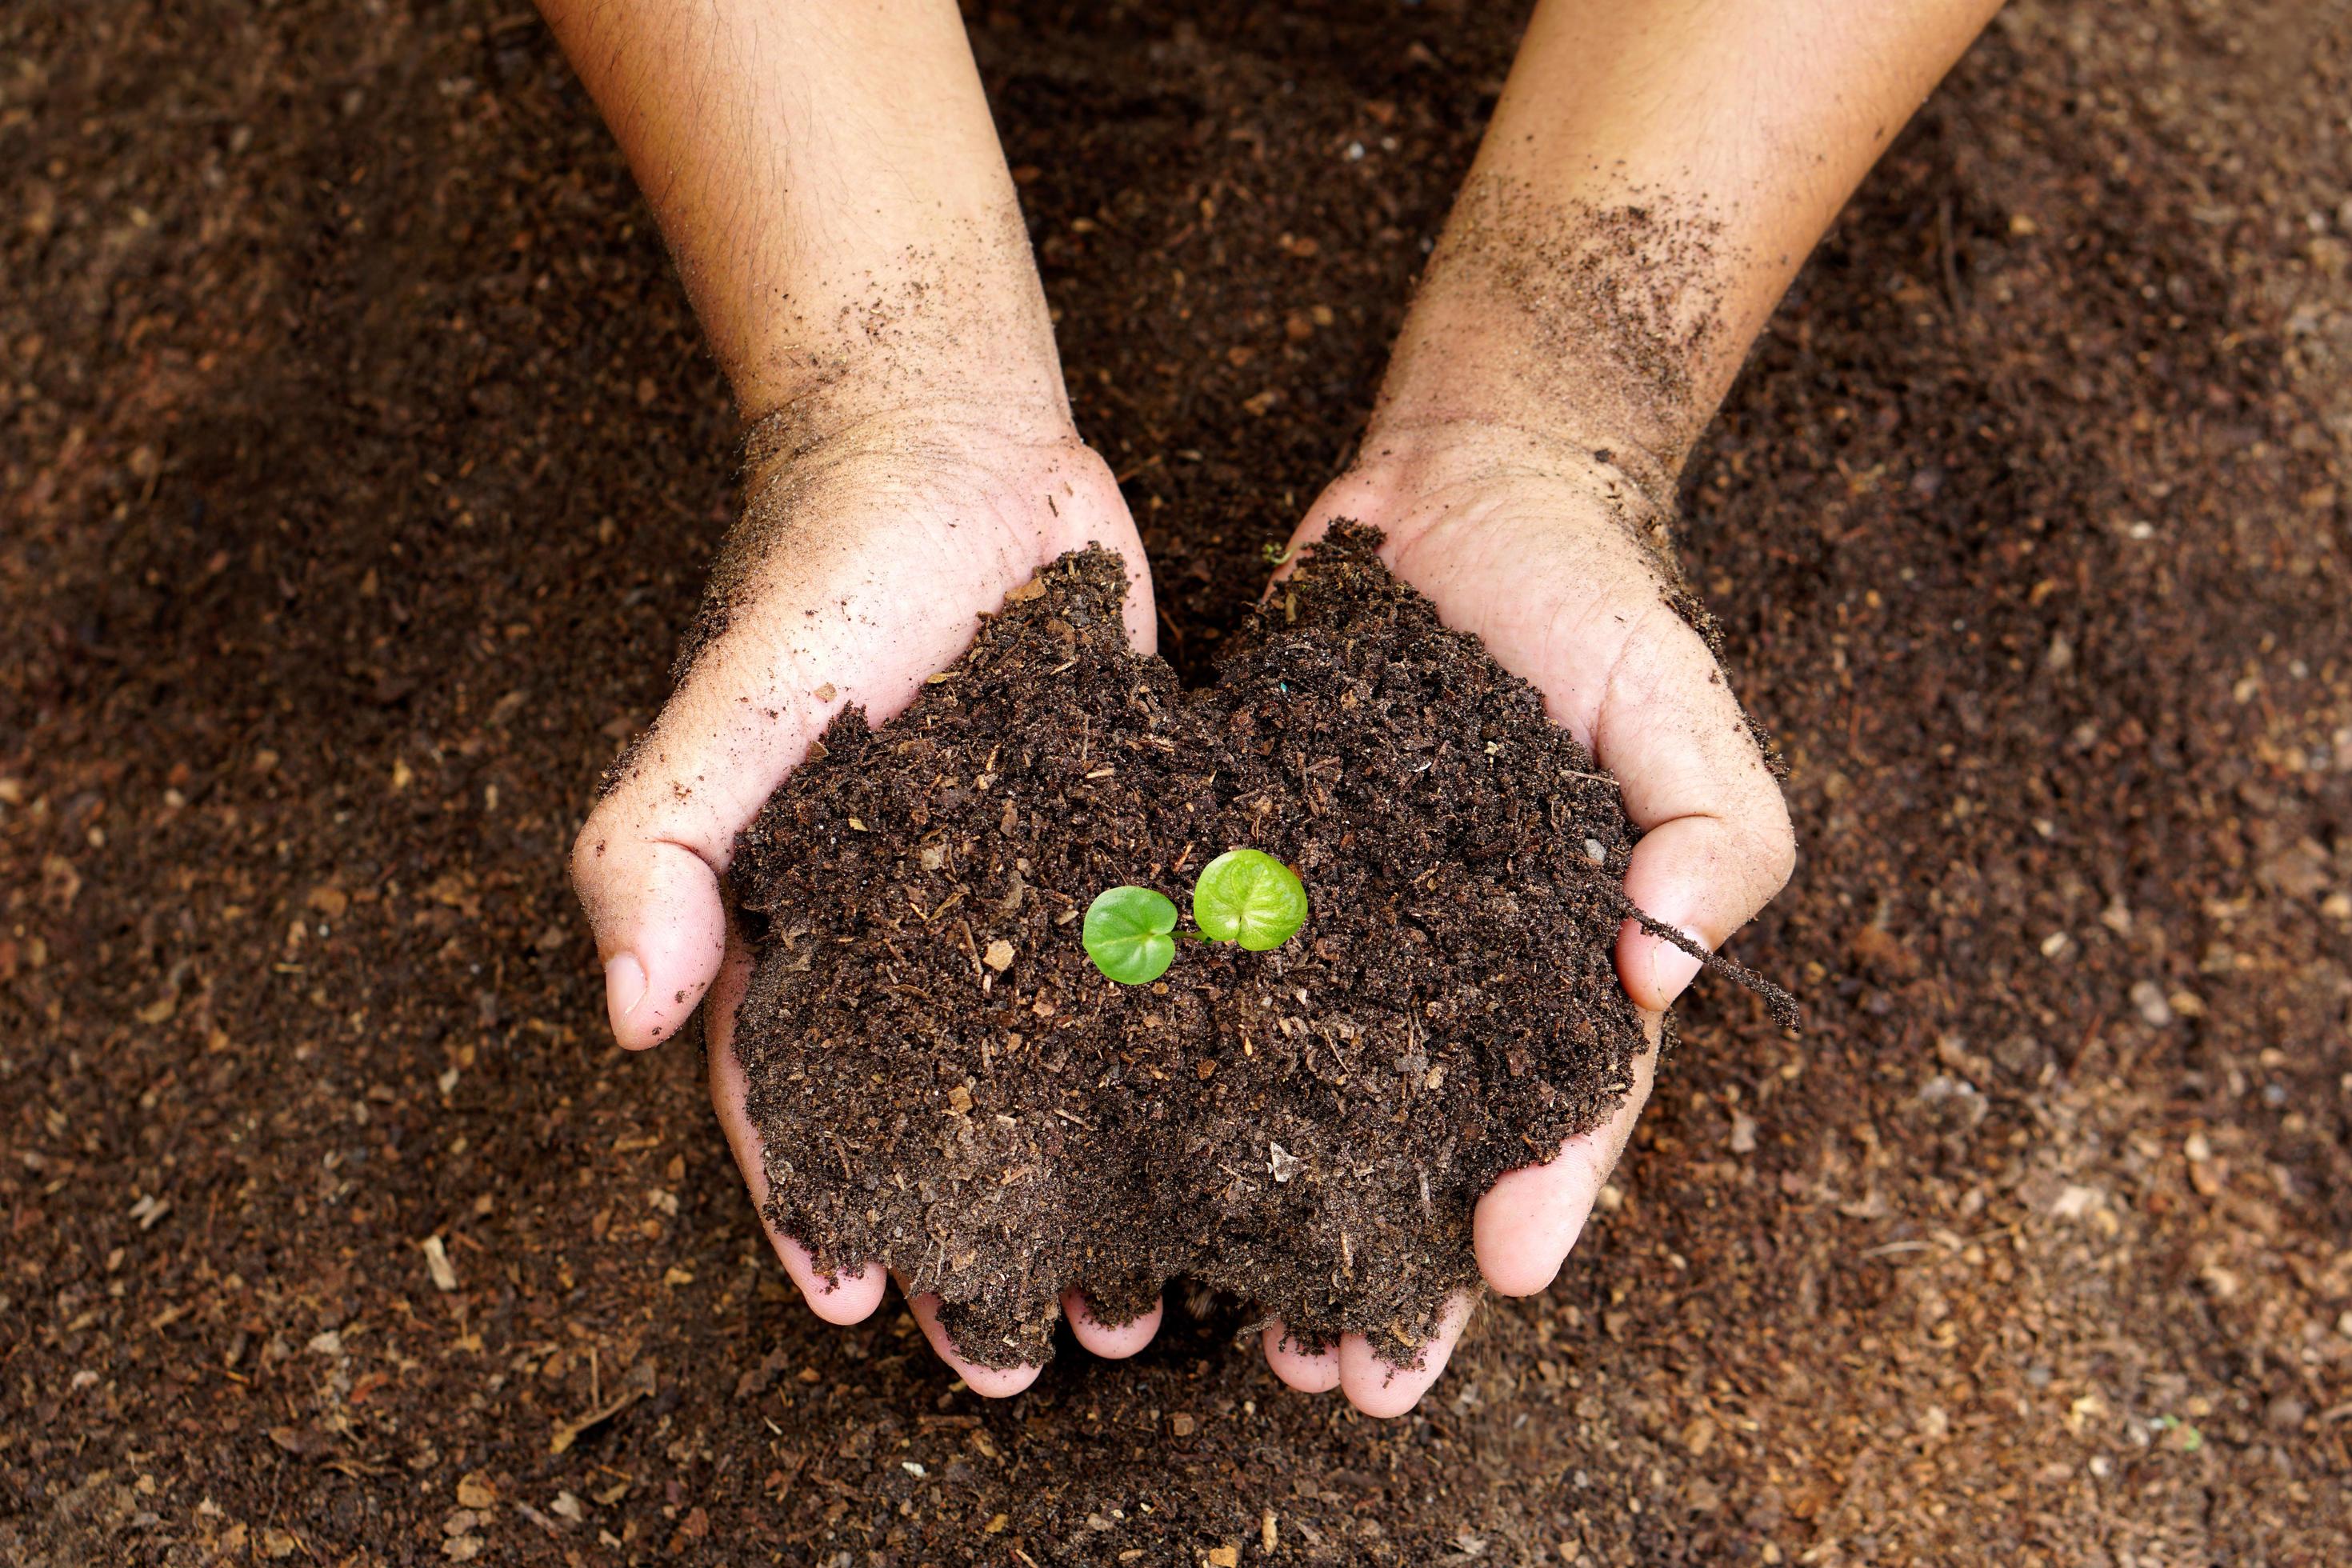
x: 589, y: 847
x: 601, y: 832
x: 1781, y: 851
x: 1773, y: 843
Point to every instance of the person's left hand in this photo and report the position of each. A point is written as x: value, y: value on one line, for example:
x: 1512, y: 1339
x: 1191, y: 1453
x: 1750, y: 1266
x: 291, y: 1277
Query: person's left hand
x: 1543, y: 553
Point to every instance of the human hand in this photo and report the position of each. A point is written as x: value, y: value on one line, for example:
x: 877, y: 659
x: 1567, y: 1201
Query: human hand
x: 865, y: 555
x: 1548, y: 552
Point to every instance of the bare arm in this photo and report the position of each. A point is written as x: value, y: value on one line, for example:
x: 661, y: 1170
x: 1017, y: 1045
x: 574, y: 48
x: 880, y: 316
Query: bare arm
x: 1652, y: 178
x: 832, y: 187
x: 828, y: 179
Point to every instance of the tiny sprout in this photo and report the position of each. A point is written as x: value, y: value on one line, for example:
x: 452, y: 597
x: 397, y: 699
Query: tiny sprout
x: 1126, y: 934
x: 1249, y: 896
x: 1244, y: 896
x: 1277, y: 554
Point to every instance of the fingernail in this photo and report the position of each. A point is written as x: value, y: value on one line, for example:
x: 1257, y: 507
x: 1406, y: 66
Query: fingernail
x: 625, y: 986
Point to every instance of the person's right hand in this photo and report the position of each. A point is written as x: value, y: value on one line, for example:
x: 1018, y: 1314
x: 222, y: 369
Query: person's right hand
x: 860, y: 567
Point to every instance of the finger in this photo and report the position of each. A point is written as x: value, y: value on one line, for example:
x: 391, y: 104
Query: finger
x: 1088, y: 507
x: 659, y: 938
x: 1309, y: 1371
x: 1335, y: 503
x: 989, y: 1383
x: 1112, y: 1344
x: 1137, y: 610
x: 1716, y: 842
x: 648, y: 858
x: 843, y: 1299
x: 837, y: 1299
x: 1529, y: 1221
x: 1383, y: 1391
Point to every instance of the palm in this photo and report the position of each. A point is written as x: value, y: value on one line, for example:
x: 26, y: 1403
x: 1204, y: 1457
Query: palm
x: 1548, y: 557
x: 863, y: 568
x: 1552, y: 573
x: 860, y: 569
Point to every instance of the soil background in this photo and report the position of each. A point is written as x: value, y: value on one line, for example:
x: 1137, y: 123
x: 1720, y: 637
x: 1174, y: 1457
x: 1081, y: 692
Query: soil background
x: 358, y: 471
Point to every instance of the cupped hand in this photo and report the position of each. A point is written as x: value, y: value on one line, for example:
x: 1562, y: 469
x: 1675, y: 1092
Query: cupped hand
x: 862, y: 561
x: 1551, y: 554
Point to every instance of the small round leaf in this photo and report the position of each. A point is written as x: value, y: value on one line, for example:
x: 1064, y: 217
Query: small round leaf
x: 1249, y: 896
x: 1126, y: 934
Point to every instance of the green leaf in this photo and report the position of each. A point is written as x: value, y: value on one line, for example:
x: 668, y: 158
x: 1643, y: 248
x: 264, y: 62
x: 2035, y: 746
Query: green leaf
x: 1249, y: 896
x: 1126, y: 934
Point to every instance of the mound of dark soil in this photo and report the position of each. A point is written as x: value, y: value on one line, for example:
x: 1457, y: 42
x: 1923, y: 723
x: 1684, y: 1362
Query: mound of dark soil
x: 943, y: 1080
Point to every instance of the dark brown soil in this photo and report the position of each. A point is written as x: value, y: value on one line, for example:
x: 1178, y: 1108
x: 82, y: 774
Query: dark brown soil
x: 359, y: 472
x: 945, y: 1082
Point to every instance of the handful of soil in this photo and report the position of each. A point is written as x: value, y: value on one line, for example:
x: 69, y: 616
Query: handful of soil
x: 942, y: 1079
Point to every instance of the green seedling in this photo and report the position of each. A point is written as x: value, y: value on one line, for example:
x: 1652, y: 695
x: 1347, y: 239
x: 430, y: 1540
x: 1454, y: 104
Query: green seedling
x: 1244, y: 896
x: 1129, y: 935
x: 1249, y: 896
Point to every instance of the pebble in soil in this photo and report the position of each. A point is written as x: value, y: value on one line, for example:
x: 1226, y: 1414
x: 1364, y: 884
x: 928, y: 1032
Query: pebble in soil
x: 942, y: 1079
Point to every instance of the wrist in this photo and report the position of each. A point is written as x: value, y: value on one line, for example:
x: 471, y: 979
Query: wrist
x: 825, y: 395
x: 956, y: 322
x: 1412, y: 453
x: 897, y: 412
x: 1594, y: 323
x: 1460, y: 383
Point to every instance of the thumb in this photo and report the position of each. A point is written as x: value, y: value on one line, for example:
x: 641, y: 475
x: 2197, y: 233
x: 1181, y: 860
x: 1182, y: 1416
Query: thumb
x: 1716, y: 842
x: 648, y: 860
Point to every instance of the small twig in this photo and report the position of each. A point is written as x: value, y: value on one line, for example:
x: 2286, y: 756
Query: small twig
x: 1948, y: 260
x: 1777, y: 1001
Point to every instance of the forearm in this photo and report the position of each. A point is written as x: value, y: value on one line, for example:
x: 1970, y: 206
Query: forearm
x: 830, y: 183
x: 1652, y: 178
